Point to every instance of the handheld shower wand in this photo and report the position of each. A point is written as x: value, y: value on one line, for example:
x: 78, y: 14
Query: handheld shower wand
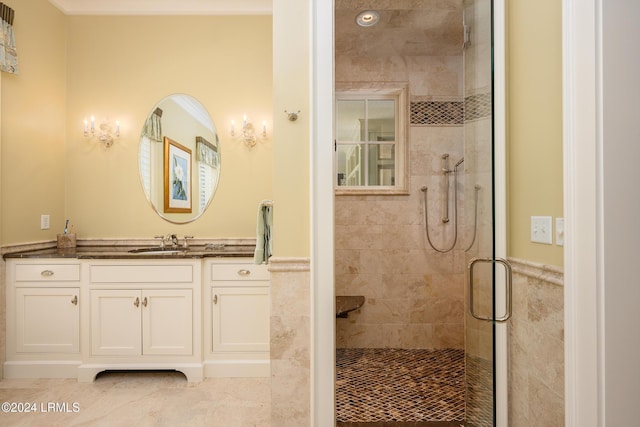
x: 445, y: 207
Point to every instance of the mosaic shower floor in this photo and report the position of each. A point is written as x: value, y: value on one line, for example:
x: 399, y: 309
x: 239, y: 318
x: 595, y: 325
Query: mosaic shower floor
x: 416, y: 387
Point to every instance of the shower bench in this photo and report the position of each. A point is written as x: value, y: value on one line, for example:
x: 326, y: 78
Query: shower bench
x: 347, y: 304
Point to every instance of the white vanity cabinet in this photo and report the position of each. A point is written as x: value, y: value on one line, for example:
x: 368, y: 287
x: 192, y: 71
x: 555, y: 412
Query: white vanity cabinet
x: 43, y: 318
x: 47, y: 320
x: 144, y: 314
x: 237, y: 316
x: 141, y: 322
x: 73, y: 318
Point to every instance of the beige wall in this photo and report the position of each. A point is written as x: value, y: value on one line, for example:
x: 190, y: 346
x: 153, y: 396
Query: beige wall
x: 33, y: 125
x: 291, y: 84
x: 291, y: 315
x: 224, y: 62
x: 72, y: 67
x: 534, y: 124
x: 535, y: 180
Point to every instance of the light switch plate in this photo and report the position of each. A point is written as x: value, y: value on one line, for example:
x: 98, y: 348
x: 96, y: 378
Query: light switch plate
x: 44, y: 222
x: 541, y: 229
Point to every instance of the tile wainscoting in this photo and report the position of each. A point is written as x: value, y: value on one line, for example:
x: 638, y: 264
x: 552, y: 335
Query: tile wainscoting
x: 536, y: 346
x: 290, y: 342
x: 3, y: 317
x: 536, y: 383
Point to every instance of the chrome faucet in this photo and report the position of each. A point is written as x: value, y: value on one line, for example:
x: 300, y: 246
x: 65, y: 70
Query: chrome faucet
x: 172, y: 241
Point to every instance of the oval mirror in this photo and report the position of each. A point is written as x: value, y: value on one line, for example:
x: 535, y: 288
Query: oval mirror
x: 179, y: 158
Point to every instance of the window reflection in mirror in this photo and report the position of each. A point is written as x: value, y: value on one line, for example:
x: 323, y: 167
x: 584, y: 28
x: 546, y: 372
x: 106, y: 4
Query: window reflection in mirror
x: 179, y: 120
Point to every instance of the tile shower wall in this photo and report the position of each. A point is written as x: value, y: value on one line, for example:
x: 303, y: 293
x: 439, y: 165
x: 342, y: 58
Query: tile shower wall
x: 536, y: 340
x: 414, y: 296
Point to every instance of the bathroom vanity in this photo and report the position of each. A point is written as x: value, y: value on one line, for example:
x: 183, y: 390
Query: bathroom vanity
x: 199, y: 307
x: 73, y: 314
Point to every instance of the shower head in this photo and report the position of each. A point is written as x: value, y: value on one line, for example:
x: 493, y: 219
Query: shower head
x: 459, y: 162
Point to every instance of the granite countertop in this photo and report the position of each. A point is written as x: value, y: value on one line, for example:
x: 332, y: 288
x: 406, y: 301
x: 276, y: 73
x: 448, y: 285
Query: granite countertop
x: 125, y: 252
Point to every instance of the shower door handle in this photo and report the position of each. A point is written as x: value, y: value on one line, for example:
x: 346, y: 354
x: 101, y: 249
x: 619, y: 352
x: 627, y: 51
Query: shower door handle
x: 508, y: 288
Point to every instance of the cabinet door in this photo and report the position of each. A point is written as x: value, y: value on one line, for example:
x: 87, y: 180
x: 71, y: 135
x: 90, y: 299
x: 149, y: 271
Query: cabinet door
x: 47, y: 320
x: 116, y: 328
x: 167, y: 319
x: 240, y: 319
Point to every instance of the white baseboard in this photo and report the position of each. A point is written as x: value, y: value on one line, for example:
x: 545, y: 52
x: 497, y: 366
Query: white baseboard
x: 41, y: 369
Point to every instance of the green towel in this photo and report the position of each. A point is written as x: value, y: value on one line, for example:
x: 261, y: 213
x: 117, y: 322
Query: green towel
x: 264, y: 245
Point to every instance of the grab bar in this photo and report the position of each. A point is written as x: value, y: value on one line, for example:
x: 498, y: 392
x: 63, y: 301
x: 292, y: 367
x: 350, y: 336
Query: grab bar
x: 446, y: 171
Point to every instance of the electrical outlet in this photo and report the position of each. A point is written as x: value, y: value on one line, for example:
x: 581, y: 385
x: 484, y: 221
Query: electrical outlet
x: 44, y: 222
x: 560, y: 231
x: 541, y: 228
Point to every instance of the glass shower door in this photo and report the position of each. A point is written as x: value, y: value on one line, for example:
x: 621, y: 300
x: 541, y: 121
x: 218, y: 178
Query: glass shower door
x: 488, y: 279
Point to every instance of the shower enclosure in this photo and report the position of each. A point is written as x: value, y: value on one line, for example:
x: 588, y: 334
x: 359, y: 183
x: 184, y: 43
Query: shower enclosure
x: 488, y: 302
x: 447, y: 291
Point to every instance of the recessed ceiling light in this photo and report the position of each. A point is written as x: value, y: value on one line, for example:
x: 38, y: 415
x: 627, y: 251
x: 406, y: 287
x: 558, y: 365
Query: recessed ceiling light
x: 368, y: 18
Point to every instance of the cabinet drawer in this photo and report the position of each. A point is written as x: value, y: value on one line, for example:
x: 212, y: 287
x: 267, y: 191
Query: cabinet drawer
x: 141, y: 273
x: 239, y: 272
x: 47, y: 272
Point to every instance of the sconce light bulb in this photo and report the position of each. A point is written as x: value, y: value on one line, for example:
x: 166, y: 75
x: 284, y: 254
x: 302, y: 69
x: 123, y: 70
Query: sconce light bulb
x: 108, y: 131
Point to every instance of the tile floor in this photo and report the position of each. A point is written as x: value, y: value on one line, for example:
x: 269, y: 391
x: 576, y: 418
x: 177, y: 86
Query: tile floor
x: 375, y: 388
x: 408, y: 424
x: 394, y: 385
x: 138, y: 399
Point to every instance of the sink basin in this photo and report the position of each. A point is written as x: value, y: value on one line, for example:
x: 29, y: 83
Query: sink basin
x: 158, y: 251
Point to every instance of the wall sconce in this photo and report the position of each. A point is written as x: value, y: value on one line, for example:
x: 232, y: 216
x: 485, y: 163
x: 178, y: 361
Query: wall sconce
x: 106, y: 133
x: 248, y: 134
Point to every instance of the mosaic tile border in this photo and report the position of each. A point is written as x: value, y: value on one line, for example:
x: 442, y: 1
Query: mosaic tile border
x: 437, y: 113
x: 477, y: 106
x: 450, y: 113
